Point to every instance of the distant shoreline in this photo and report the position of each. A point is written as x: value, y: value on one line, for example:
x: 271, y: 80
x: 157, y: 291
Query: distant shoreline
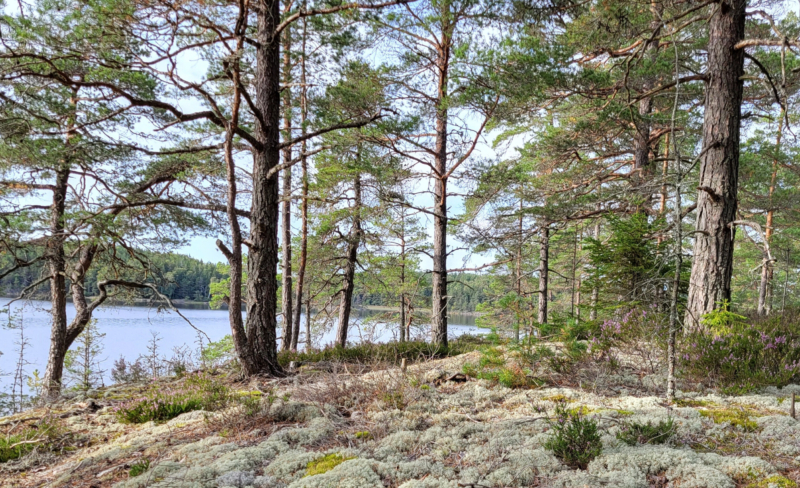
x: 142, y: 302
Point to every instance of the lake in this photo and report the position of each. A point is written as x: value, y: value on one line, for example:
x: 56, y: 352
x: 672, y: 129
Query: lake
x: 128, y: 329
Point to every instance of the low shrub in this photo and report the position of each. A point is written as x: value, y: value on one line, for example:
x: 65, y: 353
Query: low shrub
x: 325, y: 464
x: 139, y: 467
x: 165, y: 402
x: 23, y: 440
x: 576, y: 439
x: 740, y: 355
x: 492, y: 366
x: 633, y: 433
x: 392, y: 352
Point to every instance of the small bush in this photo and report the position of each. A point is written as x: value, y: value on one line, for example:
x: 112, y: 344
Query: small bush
x: 740, y: 355
x: 139, y: 467
x: 493, y: 366
x: 15, y: 444
x: 162, y: 403
x: 633, y: 433
x: 392, y: 352
x: 125, y: 372
x: 575, y: 440
x: 325, y: 464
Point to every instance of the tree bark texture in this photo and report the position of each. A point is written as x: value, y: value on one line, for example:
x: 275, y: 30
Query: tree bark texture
x: 286, y: 209
x: 348, y: 285
x: 439, y: 279
x: 712, y: 265
x: 262, y: 263
x: 56, y: 262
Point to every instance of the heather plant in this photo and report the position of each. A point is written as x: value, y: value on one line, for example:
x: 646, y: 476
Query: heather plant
x: 493, y: 366
x: 164, y: 402
x: 139, y: 467
x: 576, y: 439
x: 739, y: 354
x: 633, y: 433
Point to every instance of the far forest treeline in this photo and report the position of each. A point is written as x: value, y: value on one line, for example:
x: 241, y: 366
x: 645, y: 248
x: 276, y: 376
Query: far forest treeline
x: 181, y: 277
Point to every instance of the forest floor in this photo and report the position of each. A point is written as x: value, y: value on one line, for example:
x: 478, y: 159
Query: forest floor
x: 427, y: 427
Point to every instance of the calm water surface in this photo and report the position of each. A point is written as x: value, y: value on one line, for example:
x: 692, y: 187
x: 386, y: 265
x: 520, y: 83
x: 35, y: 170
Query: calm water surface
x: 128, y: 330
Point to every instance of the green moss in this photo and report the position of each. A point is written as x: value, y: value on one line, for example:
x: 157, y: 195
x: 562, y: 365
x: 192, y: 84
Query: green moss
x: 581, y: 411
x: 738, y: 417
x: 775, y: 481
x: 363, y: 435
x: 624, y: 413
x: 687, y: 402
x: 325, y: 464
x: 559, y: 398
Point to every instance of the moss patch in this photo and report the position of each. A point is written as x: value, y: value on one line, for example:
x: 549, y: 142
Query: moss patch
x: 738, y: 417
x: 325, y: 464
x: 559, y: 398
x: 777, y: 481
x: 687, y: 402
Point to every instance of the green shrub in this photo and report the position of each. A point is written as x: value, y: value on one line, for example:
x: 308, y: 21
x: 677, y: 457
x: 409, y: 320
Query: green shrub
x: 575, y: 440
x: 392, y: 352
x: 740, y: 355
x: 14, y: 445
x: 139, y: 467
x: 633, y: 433
x: 218, y: 352
x: 164, y: 402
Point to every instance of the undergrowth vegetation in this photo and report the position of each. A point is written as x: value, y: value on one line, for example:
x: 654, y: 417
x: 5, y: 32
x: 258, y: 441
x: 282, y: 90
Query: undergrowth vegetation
x: 392, y: 352
x: 633, y: 433
x: 575, y: 437
x: 22, y: 440
x: 164, y: 402
x: 740, y: 354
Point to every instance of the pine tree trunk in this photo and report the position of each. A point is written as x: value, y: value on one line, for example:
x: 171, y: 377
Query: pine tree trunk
x: 544, y: 269
x: 56, y: 261
x: 234, y: 255
x: 595, y: 289
x: 402, y: 275
x: 301, y: 271
x: 712, y: 265
x: 354, y: 241
x: 765, y: 288
x: 262, y: 263
x: 439, y: 278
x: 286, y: 209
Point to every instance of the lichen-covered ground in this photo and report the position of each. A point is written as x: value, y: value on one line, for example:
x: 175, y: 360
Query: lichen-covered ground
x: 418, y: 430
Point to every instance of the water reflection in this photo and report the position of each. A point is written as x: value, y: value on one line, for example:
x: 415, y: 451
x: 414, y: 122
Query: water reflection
x: 128, y: 329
